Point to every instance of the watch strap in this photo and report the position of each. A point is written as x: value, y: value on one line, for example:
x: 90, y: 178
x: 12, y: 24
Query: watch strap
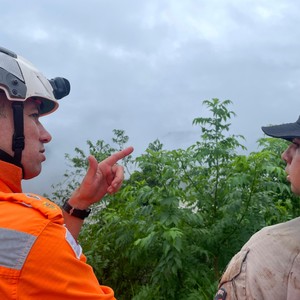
x: 75, y: 212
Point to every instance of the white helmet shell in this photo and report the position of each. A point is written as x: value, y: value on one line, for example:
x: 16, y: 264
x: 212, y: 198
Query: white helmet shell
x: 20, y: 80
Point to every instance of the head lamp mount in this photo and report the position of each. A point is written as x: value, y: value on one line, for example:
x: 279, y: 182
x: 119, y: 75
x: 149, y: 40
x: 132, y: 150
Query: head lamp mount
x: 61, y: 87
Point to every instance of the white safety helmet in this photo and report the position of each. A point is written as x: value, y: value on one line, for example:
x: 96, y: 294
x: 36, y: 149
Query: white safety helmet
x: 20, y: 81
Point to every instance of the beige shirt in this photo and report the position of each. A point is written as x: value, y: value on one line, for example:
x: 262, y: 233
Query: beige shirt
x: 267, y: 267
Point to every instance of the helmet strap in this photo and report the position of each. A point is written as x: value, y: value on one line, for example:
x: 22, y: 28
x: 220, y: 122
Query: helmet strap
x: 9, y: 159
x: 18, y: 143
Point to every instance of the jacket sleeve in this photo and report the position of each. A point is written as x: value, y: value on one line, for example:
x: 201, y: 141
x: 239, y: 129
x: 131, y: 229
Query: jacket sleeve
x: 56, y: 269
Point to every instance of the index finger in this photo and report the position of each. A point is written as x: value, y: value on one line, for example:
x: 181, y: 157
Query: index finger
x: 111, y: 160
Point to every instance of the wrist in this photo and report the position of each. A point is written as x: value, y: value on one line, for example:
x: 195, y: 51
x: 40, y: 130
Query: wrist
x: 75, y: 211
x: 78, y: 203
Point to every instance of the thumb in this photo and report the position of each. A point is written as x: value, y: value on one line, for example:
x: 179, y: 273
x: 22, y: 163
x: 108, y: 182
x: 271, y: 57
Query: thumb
x: 92, y: 169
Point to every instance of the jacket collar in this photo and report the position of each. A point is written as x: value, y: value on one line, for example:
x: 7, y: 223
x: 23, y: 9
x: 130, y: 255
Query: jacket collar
x: 10, y: 178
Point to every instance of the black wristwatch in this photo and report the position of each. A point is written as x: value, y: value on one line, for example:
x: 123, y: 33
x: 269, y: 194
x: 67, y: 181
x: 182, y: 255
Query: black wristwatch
x: 75, y: 212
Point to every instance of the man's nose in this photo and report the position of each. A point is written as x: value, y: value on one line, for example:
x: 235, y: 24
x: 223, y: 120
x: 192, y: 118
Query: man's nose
x: 45, y: 136
x: 286, y: 155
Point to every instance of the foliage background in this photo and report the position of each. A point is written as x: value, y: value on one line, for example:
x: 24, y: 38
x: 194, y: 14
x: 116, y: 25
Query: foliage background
x: 181, y: 214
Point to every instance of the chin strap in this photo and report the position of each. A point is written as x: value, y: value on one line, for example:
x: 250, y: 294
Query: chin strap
x: 18, y: 143
x: 8, y: 158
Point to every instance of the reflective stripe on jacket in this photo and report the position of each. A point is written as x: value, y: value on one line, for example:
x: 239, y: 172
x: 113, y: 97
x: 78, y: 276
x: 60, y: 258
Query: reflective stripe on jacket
x: 39, y: 258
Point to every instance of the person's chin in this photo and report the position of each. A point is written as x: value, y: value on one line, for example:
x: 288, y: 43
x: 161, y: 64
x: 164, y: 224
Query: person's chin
x: 29, y: 174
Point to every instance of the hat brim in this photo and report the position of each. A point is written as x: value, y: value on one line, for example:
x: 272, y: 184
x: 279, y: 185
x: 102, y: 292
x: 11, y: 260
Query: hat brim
x: 288, y: 131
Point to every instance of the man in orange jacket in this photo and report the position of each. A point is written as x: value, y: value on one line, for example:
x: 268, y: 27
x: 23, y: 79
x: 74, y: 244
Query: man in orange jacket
x: 39, y: 255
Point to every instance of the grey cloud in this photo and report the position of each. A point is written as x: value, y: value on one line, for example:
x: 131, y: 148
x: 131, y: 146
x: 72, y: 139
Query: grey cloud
x: 146, y: 66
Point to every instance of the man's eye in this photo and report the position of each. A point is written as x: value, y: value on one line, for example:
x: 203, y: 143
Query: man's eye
x: 35, y: 115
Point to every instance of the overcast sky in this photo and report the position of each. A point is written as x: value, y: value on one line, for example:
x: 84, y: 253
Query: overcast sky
x: 146, y: 66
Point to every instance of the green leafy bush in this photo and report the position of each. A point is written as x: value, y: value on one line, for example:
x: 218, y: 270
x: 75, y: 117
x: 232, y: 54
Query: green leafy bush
x: 181, y: 214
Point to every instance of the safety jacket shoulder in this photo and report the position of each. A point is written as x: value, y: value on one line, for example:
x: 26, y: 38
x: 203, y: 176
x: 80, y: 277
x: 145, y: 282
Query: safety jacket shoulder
x: 39, y: 258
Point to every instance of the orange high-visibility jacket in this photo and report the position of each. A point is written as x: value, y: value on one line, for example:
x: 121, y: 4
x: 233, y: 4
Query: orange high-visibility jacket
x: 39, y: 258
